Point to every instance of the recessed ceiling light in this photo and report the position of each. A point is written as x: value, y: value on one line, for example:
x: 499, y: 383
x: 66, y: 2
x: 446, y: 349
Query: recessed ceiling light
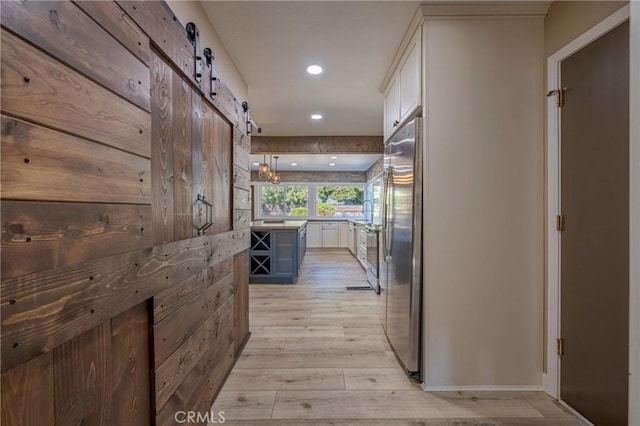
x: 294, y: 164
x: 332, y: 164
x: 314, y: 69
x: 334, y: 157
x: 316, y: 117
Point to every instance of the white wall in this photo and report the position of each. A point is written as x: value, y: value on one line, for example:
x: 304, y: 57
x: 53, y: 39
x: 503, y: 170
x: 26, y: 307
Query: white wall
x: 484, y: 209
x: 634, y: 255
x: 566, y: 20
x: 192, y: 11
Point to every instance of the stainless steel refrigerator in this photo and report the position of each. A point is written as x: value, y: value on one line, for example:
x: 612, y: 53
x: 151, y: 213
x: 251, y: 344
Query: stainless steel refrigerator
x: 401, y: 254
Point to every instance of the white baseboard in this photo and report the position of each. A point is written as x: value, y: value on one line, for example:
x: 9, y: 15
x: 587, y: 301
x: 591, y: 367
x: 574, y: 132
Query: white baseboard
x: 481, y: 388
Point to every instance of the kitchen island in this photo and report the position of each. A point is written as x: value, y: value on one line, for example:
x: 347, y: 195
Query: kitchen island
x: 277, y: 251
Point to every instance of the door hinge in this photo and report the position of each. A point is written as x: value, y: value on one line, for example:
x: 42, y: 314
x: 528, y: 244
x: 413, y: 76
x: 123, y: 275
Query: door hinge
x: 560, y: 347
x: 559, y: 94
x: 560, y: 222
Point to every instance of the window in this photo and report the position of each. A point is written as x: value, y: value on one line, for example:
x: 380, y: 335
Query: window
x: 376, y: 201
x: 310, y: 200
x: 340, y: 200
x: 284, y: 200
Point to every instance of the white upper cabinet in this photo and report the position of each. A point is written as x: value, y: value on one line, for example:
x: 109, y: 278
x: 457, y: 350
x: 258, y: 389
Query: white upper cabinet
x: 410, y: 78
x: 403, y: 94
x: 392, y: 107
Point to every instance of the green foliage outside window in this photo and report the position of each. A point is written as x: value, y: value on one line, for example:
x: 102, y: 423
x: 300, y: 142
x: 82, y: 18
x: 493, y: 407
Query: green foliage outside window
x: 353, y: 195
x: 290, y: 200
x: 325, y: 209
x: 282, y: 200
x: 300, y: 211
x: 340, y: 200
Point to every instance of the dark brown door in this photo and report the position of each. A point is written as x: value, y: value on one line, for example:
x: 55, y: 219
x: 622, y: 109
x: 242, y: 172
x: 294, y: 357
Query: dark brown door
x: 595, y: 241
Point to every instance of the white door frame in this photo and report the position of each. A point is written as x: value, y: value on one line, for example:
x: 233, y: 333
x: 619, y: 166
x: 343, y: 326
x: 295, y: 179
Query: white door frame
x: 551, y: 379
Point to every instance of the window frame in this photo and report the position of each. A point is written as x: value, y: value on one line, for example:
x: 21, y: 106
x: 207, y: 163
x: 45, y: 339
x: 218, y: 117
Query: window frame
x: 312, y: 194
x: 377, y: 180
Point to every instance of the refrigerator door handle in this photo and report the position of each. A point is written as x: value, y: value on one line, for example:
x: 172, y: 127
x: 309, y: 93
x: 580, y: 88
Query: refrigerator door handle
x: 388, y: 208
x: 385, y: 226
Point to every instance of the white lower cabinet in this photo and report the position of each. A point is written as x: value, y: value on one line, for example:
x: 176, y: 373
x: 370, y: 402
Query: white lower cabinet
x: 314, y: 234
x: 351, y: 243
x: 329, y: 234
x: 343, y: 235
x: 330, y: 238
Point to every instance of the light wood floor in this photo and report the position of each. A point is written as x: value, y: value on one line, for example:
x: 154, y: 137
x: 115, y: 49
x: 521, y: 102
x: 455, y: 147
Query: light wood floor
x: 318, y: 356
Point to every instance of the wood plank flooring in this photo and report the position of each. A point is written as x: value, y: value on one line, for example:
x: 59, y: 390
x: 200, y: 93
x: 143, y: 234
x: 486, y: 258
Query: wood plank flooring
x: 318, y: 356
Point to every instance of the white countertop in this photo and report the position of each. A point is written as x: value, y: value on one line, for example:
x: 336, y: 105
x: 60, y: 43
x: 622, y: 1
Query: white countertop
x: 286, y: 224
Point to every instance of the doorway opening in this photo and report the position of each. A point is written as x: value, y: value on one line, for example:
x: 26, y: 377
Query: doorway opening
x: 588, y: 245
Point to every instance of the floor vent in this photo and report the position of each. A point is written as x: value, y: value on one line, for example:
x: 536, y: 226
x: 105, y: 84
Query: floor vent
x: 362, y: 287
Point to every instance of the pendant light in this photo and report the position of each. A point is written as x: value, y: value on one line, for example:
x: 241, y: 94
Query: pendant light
x: 275, y: 179
x: 263, y: 169
x: 270, y: 169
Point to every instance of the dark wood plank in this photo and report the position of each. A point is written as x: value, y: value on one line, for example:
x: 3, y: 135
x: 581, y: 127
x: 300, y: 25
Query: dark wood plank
x: 37, y: 236
x: 221, y: 172
x: 222, y: 362
x: 197, y: 165
x: 162, y: 151
x: 241, y: 296
x: 207, y: 134
x: 241, y: 199
x: 241, y: 141
x: 171, y: 373
x: 165, y: 31
x: 241, y: 178
x: 82, y: 378
x: 241, y: 150
x: 27, y: 393
x: 227, y: 244
x: 42, y: 164
x: 117, y: 23
x: 205, y: 379
x: 177, y: 328
x: 183, y: 176
x: 43, y: 310
x: 241, y: 219
x: 317, y: 144
x: 61, y: 29
x: 183, y: 225
x: 220, y: 270
x: 130, y: 353
x: 230, y: 107
x: 169, y: 300
x: 38, y: 88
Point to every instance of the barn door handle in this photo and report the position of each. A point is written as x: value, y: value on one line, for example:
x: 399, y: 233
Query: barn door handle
x: 208, y: 214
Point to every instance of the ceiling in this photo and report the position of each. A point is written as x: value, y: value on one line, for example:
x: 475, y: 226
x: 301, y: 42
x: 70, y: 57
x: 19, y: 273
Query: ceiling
x: 273, y: 42
x: 320, y: 162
